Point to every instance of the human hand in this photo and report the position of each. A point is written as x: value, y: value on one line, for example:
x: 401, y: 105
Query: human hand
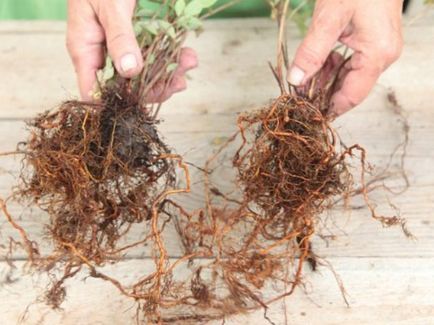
x: 96, y: 25
x: 372, y: 28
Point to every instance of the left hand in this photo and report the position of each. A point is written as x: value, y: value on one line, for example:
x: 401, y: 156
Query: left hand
x: 93, y: 26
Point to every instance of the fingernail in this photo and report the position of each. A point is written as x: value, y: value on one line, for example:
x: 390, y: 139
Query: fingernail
x: 128, y: 62
x: 296, y: 76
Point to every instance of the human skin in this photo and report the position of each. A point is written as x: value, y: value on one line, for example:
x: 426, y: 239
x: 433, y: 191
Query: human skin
x: 96, y: 25
x: 371, y: 28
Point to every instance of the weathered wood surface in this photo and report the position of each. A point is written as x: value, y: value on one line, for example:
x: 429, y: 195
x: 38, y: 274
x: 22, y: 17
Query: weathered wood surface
x: 381, y: 291
x: 389, y: 278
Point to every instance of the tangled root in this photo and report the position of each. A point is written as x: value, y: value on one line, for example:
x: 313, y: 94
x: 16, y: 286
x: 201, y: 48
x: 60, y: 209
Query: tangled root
x: 116, y: 172
x: 291, y: 166
x: 99, y: 169
x: 96, y: 169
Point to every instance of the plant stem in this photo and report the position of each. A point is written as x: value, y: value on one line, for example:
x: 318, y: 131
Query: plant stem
x: 282, y: 47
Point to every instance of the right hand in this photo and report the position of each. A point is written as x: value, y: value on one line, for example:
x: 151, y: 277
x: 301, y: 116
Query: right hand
x: 372, y: 28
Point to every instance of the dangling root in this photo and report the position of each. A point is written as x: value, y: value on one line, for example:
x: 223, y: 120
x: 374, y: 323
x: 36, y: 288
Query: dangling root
x: 101, y: 169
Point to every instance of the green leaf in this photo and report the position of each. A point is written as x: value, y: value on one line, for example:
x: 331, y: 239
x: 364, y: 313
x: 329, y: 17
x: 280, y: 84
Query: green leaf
x: 208, y: 3
x: 164, y: 24
x: 301, y: 19
x: 171, y: 67
x: 194, y: 8
x: 171, y: 32
x: 194, y: 23
x: 168, y: 28
x: 179, y: 7
x: 189, y: 23
x: 151, y: 27
x: 138, y: 28
x: 150, y: 58
x: 182, y: 22
x: 109, y: 70
x: 144, y: 12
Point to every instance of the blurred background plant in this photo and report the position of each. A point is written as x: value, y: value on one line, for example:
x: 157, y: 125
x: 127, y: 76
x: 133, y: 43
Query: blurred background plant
x: 56, y: 9
x: 301, y: 10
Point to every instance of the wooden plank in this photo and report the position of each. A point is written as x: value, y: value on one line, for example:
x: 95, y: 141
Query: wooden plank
x: 233, y: 56
x: 352, y: 234
x: 357, y: 235
x: 389, y: 278
x: 197, y: 136
x: 380, y: 290
x: 378, y: 129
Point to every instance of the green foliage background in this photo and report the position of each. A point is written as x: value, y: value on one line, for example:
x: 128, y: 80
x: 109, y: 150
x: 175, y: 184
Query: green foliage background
x: 56, y: 9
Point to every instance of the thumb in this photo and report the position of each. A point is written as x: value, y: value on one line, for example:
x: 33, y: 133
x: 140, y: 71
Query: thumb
x: 328, y: 24
x: 121, y: 41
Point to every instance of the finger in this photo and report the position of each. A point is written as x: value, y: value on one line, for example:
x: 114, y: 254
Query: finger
x: 328, y: 23
x: 330, y: 69
x: 84, y: 42
x: 91, y: 60
x: 360, y: 77
x: 160, y: 93
x: 177, y: 84
x: 116, y: 18
x: 187, y: 60
x: 372, y: 57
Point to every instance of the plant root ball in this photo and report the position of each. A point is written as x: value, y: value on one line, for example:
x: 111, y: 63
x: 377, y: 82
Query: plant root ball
x: 96, y: 169
x: 288, y: 164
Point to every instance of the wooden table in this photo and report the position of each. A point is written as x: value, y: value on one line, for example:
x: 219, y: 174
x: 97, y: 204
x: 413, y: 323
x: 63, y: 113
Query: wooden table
x: 389, y: 279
